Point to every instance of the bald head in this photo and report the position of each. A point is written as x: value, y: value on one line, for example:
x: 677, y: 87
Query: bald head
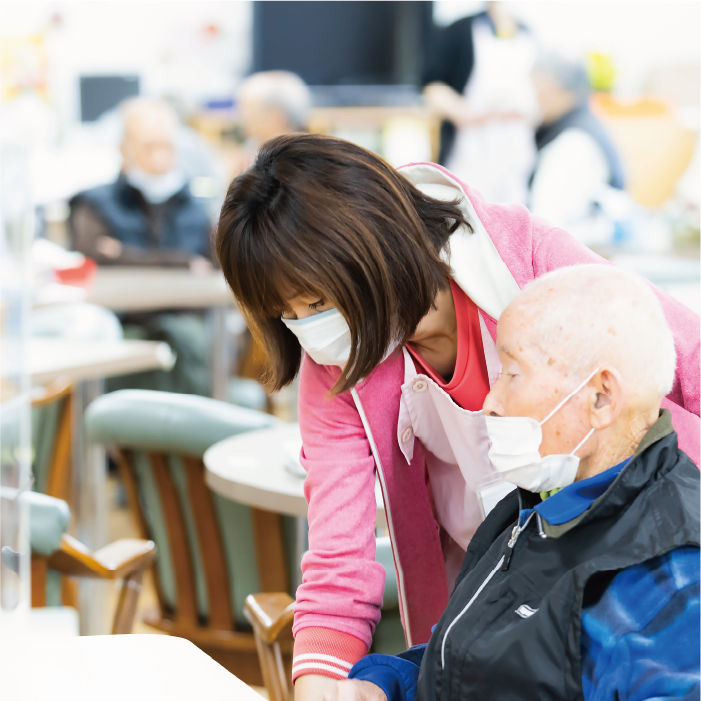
x: 273, y: 103
x: 597, y: 337
x: 150, y: 128
x: 589, y: 316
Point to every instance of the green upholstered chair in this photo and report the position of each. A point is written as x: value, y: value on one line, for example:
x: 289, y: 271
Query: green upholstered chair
x: 52, y: 405
x: 212, y: 552
x: 207, y: 560
x: 53, y: 551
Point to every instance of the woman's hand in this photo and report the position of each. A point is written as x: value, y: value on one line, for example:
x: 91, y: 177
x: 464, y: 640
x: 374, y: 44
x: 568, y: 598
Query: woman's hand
x: 446, y: 103
x: 355, y: 690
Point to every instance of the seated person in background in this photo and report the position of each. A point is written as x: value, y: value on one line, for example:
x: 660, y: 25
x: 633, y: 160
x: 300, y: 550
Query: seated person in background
x: 147, y: 216
x: 271, y: 103
x: 584, y: 582
x: 578, y: 180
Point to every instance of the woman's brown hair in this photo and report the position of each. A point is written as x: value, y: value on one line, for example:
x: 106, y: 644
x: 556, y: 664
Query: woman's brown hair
x: 321, y: 216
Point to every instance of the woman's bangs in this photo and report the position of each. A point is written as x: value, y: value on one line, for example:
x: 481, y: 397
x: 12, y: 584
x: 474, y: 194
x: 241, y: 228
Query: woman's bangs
x: 266, y: 287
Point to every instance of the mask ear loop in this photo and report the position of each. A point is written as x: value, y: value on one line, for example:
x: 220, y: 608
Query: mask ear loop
x: 583, y: 441
x: 567, y: 398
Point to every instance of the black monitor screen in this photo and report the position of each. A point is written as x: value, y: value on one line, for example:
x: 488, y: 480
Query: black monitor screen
x: 339, y: 43
x: 100, y: 93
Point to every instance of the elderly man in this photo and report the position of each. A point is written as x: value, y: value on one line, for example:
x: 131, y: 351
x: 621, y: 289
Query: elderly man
x: 574, y: 149
x: 584, y: 582
x: 148, y: 215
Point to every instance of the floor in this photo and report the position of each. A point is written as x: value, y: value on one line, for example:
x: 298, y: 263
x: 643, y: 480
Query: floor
x: 121, y: 524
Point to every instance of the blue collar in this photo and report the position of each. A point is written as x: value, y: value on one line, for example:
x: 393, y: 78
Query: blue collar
x: 576, y: 498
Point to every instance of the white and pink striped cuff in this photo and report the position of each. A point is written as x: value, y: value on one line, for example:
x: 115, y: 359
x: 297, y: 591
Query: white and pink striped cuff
x: 325, y: 651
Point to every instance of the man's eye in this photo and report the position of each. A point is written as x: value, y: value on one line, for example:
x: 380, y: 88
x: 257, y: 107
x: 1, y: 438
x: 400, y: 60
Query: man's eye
x: 314, y: 305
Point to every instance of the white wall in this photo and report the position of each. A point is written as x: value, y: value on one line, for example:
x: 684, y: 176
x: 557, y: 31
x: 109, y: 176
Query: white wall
x: 199, y: 49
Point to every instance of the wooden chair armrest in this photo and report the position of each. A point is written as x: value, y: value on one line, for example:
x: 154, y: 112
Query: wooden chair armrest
x: 114, y: 561
x: 271, y: 615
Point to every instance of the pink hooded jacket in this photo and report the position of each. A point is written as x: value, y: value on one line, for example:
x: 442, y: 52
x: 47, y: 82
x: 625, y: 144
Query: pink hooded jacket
x: 349, y: 438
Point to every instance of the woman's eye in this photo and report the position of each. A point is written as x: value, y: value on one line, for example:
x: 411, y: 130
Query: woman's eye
x: 314, y: 305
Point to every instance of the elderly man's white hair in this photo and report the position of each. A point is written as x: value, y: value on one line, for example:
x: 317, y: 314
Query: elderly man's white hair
x: 135, y: 108
x: 280, y: 89
x: 569, y: 73
x: 591, y: 315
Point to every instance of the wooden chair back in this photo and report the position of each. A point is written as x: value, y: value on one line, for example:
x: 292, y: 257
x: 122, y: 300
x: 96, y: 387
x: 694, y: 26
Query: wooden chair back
x: 52, y: 408
x: 195, y: 554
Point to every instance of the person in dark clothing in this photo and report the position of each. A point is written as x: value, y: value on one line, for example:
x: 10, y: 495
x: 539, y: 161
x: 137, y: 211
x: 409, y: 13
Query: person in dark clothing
x: 578, y: 178
x: 148, y: 215
x: 582, y: 583
x: 478, y: 82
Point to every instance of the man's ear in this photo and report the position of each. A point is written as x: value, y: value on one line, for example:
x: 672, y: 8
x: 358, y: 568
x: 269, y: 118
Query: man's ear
x: 607, y: 402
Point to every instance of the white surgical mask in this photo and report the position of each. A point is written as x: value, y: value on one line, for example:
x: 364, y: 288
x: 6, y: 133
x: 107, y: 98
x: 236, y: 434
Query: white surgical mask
x: 514, y: 451
x: 326, y: 337
x: 156, y: 188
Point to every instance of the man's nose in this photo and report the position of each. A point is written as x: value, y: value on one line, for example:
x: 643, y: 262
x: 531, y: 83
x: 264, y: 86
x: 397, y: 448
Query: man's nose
x: 492, y: 406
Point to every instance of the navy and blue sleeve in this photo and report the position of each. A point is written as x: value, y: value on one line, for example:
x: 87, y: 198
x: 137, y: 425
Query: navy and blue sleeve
x: 395, y: 675
x: 640, y: 636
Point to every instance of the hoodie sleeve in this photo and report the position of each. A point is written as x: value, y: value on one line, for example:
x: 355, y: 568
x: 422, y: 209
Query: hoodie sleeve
x: 554, y: 248
x: 338, y: 604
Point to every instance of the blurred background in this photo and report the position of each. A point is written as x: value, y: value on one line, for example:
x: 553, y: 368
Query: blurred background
x: 122, y: 124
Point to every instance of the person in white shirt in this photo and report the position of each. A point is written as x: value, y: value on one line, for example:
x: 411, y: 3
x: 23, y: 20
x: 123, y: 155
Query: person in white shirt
x: 477, y: 81
x: 578, y: 180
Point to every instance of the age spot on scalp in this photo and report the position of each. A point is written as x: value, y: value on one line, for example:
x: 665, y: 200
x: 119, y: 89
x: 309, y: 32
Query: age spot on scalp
x: 551, y: 361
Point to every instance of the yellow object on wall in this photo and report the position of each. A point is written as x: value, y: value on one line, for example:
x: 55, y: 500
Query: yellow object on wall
x: 23, y: 65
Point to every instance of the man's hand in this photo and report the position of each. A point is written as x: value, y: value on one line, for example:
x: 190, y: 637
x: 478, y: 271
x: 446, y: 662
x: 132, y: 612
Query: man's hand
x: 109, y: 247
x: 355, y: 690
x: 200, y: 266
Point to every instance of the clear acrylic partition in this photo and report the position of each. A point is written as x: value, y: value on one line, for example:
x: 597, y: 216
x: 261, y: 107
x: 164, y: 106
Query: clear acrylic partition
x: 16, y: 231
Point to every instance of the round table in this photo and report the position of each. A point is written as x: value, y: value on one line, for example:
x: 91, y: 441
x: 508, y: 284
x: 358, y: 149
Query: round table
x: 250, y: 469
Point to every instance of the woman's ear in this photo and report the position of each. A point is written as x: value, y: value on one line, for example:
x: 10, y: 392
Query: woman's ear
x: 607, y: 402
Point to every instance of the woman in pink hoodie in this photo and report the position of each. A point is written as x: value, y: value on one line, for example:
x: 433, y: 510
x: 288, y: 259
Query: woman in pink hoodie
x: 392, y: 282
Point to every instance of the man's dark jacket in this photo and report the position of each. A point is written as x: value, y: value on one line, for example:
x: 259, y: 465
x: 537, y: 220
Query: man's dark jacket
x: 178, y: 228
x: 491, y: 651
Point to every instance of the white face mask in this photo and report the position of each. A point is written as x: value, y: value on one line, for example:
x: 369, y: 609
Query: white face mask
x: 326, y: 337
x: 514, y: 451
x: 156, y: 188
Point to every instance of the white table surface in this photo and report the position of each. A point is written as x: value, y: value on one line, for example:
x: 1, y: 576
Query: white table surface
x: 250, y: 469
x: 51, y: 358
x: 114, y: 668
x: 133, y: 289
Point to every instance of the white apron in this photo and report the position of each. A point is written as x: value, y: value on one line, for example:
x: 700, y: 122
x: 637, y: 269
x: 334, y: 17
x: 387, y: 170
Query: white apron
x: 497, y: 156
x: 456, y: 445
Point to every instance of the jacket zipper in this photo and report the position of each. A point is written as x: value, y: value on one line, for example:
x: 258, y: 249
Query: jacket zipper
x: 503, y: 565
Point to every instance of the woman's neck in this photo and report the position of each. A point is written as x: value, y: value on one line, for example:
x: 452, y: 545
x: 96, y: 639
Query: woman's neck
x: 436, y: 336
